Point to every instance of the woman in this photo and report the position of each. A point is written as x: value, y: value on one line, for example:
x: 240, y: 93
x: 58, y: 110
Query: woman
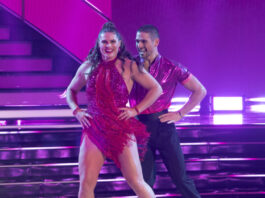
x: 109, y: 127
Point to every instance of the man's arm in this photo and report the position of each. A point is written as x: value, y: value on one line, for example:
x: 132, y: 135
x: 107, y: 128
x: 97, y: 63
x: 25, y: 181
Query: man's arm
x: 197, y: 94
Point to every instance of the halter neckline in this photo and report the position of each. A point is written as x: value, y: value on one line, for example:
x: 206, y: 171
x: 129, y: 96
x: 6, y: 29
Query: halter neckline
x: 109, y: 62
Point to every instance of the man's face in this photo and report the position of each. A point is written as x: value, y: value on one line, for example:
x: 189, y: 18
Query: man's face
x: 109, y: 45
x: 145, y: 45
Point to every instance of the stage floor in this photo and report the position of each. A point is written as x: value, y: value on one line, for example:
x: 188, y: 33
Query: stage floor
x: 224, y: 155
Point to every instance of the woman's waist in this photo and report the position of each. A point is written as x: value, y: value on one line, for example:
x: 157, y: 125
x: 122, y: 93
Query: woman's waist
x: 93, y: 101
x: 95, y: 108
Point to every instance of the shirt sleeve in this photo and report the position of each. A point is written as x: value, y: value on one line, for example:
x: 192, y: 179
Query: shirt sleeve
x: 181, y: 73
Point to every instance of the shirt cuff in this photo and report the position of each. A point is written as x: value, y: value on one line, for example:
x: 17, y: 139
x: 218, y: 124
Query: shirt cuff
x: 187, y: 79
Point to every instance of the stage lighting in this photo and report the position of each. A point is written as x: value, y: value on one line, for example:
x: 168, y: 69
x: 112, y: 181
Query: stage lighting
x: 227, y: 103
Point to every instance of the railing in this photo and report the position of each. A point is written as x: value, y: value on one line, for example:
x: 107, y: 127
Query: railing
x: 97, y: 10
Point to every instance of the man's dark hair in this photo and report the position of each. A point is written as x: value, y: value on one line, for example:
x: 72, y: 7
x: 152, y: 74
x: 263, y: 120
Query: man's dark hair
x: 151, y: 29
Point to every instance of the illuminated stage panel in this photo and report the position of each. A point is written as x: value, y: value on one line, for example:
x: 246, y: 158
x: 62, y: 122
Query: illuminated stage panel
x: 228, y: 103
x: 14, y: 5
x: 73, y: 24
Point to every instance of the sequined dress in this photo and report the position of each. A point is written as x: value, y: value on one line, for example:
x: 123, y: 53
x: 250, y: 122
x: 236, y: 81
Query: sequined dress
x: 106, y: 92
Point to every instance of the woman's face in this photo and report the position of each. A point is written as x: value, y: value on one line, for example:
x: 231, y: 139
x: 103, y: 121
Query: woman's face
x: 109, y: 45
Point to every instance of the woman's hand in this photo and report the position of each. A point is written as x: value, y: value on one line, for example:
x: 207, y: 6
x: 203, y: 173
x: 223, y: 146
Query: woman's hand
x: 82, y: 117
x: 127, y: 113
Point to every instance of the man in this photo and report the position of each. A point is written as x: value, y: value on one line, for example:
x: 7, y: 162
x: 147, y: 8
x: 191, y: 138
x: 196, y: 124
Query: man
x: 160, y: 122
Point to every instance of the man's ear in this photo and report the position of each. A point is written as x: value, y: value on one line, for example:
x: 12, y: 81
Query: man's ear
x: 157, y: 42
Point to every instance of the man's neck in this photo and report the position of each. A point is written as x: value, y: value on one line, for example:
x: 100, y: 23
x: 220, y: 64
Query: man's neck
x: 148, y: 62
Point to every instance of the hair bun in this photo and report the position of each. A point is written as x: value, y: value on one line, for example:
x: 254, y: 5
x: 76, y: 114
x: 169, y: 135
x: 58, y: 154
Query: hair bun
x: 109, y: 25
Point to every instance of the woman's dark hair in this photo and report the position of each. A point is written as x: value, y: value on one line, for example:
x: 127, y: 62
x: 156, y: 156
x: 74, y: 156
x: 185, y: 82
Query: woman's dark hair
x: 94, y: 56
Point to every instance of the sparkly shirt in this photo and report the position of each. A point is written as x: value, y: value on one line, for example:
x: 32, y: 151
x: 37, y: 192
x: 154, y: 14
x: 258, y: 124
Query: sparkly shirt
x: 168, y: 76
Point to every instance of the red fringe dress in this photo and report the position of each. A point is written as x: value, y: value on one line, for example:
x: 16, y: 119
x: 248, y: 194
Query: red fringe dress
x: 106, y: 92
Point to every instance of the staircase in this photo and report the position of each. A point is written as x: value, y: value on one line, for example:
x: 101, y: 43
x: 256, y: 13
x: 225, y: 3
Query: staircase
x: 30, y: 63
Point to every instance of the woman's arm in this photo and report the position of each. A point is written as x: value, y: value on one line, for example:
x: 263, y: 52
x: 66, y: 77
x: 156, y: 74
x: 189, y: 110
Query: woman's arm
x: 149, y: 83
x: 74, y: 87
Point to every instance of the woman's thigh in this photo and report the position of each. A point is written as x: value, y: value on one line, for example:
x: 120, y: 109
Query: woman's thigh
x: 130, y: 162
x: 90, y: 160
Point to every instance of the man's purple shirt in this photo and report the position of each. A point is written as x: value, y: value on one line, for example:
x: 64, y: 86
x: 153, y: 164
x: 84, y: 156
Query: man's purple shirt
x: 168, y: 75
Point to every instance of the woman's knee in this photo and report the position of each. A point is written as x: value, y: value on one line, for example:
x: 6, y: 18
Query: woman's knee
x: 88, y: 182
x: 135, y: 182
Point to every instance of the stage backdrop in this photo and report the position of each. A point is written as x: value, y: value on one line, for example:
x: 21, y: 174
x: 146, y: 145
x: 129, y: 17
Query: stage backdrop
x: 71, y: 23
x: 222, y: 42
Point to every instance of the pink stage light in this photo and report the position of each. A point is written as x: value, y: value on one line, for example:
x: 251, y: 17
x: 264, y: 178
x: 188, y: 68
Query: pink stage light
x: 228, y: 103
x: 117, y: 179
x: 36, y: 113
x: 2, y: 122
x: 257, y: 108
x: 227, y: 119
x: 19, y: 122
x: 157, y: 195
x: 39, y: 165
x: 174, y: 107
x: 248, y: 175
x: 18, y: 132
x: 39, y: 148
x: 180, y: 99
x: 261, y: 99
x: 225, y: 159
x: 201, y: 143
x: 178, y: 102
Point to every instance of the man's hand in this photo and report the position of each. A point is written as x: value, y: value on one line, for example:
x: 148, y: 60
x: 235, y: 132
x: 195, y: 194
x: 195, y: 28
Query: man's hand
x: 170, y: 117
x: 127, y: 113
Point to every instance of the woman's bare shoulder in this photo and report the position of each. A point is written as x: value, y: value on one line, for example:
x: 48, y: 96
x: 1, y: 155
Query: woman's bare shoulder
x: 84, y: 67
x: 128, y: 63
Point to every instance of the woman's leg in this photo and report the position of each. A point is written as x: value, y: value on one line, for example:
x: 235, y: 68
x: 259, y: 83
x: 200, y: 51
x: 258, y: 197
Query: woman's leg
x: 90, y: 162
x: 132, y: 171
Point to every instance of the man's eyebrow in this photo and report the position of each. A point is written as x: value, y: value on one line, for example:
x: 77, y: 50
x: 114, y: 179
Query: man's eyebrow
x: 105, y: 40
